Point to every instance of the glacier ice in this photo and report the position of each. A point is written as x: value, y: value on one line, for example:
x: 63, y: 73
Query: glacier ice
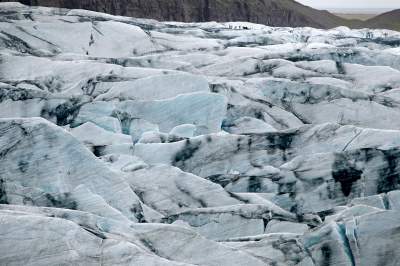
x: 127, y: 141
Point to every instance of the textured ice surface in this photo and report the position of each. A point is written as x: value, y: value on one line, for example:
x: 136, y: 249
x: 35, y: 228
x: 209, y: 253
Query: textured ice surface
x: 128, y: 141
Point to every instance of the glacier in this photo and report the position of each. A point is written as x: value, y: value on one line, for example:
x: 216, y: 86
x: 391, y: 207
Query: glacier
x: 128, y: 141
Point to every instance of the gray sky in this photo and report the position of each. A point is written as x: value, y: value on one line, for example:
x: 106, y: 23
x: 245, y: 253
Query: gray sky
x: 360, y: 4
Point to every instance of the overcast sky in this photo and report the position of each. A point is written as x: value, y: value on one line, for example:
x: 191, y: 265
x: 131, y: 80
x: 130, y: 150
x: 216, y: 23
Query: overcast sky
x: 352, y: 3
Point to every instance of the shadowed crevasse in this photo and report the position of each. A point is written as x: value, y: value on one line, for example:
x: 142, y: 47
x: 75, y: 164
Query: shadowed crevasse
x: 345, y: 173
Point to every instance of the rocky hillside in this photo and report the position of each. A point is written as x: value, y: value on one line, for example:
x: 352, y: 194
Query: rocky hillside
x: 268, y: 12
x: 389, y: 20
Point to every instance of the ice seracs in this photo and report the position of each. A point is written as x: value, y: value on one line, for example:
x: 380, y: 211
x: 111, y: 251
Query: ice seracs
x: 156, y: 87
x: 128, y: 141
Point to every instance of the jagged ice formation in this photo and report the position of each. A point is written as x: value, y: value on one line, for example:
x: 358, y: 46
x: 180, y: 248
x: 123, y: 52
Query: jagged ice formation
x: 135, y: 142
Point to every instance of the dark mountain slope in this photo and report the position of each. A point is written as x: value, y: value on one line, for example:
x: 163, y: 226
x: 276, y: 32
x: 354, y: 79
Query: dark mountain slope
x: 269, y: 12
x: 389, y: 20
